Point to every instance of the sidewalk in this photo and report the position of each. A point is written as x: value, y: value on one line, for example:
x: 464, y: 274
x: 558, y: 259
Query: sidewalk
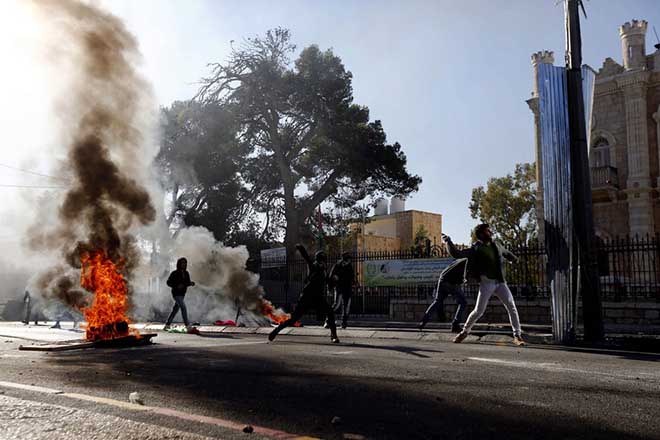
x: 366, y: 329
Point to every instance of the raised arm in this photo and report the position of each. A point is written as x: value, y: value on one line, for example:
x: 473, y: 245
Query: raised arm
x: 509, y: 255
x: 304, y: 254
x: 454, y: 251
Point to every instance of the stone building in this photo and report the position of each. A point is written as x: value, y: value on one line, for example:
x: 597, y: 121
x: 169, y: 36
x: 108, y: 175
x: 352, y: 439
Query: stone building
x: 395, y: 230
x: 625, y: 128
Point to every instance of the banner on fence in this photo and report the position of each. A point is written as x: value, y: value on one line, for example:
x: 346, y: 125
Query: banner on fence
x: 273, y: 257
x: 383, y: 273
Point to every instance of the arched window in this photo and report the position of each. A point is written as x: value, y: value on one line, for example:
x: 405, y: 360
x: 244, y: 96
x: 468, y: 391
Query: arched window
x: 600, y: 153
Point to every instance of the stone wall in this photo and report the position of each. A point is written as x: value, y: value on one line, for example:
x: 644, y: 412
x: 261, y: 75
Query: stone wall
x: 530, y: 311
x: 371, y: 243
x: 431, y: 222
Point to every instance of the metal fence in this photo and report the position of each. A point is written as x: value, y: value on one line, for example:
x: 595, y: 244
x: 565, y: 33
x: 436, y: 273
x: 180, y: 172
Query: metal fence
x: 629, y: 270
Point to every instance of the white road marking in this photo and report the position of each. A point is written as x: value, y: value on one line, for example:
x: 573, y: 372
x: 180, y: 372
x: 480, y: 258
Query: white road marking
x: 268, y: 432
x: 20, y: 386
x: 550, y: 366
x: 339, y: 353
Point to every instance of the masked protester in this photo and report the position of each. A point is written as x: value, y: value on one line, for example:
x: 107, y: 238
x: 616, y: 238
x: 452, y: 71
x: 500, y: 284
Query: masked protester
x: 179, y: 281
x: 450, y: 282
x: 342, y: 277
x: 485, y: 262
x: 313, y: 295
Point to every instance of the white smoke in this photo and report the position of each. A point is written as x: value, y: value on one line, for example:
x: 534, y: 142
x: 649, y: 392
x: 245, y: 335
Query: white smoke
x: 223, y: 283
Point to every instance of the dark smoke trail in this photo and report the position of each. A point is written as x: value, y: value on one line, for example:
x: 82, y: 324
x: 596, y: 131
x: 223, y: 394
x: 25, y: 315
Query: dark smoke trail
x: 101, y: 117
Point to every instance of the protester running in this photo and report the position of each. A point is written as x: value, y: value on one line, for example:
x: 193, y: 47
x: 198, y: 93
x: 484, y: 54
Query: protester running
x: 179, y: 281
x: 313, y: 295
x: 450, y: 282
x: 485, y: 262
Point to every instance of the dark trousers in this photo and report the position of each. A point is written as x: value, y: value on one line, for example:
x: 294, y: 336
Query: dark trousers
x: 305, y: 303
x: 445, y: 288
x: 179, y: 303
x: 28, y: 309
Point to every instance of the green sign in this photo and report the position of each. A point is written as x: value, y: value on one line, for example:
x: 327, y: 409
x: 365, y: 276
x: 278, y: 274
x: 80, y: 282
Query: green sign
x: 383, y: 273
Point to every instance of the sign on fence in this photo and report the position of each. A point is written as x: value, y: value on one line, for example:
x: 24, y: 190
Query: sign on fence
x: 273, y: 257
x: 382, y: 273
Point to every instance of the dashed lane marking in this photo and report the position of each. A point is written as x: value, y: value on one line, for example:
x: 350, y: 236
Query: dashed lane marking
x: 268, y: 432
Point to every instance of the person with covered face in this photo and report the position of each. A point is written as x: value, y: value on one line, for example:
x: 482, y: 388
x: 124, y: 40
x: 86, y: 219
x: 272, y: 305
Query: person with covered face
x: 179, y: 281
x: 485, y: 262
x: 312, y: 296
x: 342, y: 277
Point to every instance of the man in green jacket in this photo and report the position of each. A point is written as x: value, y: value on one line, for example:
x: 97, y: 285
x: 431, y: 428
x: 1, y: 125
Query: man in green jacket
x: 486, y: 264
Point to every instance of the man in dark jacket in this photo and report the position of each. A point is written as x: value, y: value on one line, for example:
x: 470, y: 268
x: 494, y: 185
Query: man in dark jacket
x: 313, y: 295
x: 342, y: 277
x: 486, y: 264
x: 450, y: 282
x: 179, y: 281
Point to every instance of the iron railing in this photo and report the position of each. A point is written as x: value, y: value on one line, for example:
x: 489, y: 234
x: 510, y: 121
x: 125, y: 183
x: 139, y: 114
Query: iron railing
x: 629, y: 271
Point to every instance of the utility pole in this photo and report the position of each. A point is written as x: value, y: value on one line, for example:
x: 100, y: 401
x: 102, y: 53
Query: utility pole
x: 585, y: 273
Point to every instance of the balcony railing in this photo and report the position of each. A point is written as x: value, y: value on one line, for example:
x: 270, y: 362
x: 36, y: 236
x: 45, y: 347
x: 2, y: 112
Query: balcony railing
x: 603, y: 177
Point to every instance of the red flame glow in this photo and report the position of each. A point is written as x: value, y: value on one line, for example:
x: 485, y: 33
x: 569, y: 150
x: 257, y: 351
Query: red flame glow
x: 106, y: 317
x: 277, y: 316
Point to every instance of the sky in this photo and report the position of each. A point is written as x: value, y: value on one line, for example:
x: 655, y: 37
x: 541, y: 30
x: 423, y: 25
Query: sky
x: 448, y: 79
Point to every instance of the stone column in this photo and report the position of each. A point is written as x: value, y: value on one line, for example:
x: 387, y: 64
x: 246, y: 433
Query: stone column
x: 638, y: 186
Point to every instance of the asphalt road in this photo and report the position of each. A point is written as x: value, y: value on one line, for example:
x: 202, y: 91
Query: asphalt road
x: 197, y: 387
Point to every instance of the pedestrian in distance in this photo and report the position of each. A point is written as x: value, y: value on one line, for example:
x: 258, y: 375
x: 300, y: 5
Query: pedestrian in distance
x: 450, y: 283
x: 312, y: 296
x: 179, y: 281
x: 342, y: 277
x: 485, y: 262
x: 27, y: 301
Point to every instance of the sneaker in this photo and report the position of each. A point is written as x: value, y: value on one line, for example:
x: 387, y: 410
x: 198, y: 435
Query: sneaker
x: 421, y: 325
x: 167, y: 327
x: 335, y: 340
x: 518, y: 340
x: 326, y: 325
x: 455, y: 327
x: 460, y: 337
x: 56, y: 325
x: 343, y: 326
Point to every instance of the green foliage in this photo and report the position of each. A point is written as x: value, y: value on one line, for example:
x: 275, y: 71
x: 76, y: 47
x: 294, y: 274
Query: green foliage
x: 306, y: 141
x: 508, y: 205
x: 200, y: 162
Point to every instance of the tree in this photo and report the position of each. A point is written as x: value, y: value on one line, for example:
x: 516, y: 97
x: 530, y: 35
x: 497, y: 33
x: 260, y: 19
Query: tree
x: 200, y: 162
x: 307, y: 140
x: 507, y: 204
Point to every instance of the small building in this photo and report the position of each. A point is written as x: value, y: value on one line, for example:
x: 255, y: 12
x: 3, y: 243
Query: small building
x: 396, y: 229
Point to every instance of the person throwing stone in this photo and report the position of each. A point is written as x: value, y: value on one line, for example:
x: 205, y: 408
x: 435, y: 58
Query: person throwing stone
x: 485, y: 262
x: 313, y: 295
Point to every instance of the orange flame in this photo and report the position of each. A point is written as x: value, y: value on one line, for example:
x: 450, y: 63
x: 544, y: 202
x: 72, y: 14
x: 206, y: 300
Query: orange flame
x: 106, y: 318
x: 277, y: 316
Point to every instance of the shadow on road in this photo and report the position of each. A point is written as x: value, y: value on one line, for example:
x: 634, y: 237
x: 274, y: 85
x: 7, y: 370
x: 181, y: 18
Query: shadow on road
x: 272, y: 386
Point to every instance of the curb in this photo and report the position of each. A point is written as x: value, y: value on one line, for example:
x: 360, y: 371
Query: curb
x: 411, y: 334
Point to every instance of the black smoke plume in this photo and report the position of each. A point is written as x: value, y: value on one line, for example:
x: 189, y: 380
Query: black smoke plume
x: 101, y: 116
